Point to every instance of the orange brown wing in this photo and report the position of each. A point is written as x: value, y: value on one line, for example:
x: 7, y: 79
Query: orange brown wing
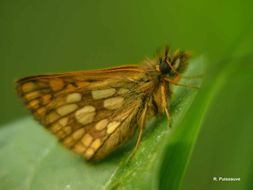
x: 92, y: 112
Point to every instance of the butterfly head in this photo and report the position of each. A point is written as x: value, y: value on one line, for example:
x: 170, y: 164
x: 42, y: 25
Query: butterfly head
x: 173, y: 63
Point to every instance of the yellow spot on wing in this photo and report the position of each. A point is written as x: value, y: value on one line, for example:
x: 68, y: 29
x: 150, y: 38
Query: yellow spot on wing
x: 122, y: 91
x: 34, y: 104
x: 79, y: 148
x: 86, y: 140
x: 55, y: 127
x: 66, y: 109
x: 85, y: 115
x: 32, y: 95
x: 46, y: 98
x: 52, y: 116
x: 82, y: 84
x: 67, y: 130
x: 61, y: 134
x: 63, y: 121
x: 41, y: 111
x: 30, y: 86
x: 73, y: 97
x: 100, y: 94
x: 78, y: 134
x: 112, y: 126
x: 101, y: 124
x: 96, y: 144
x: 113, y: 103
x: 89, y: 152
x: 56, y: 84
x: 68, y: 142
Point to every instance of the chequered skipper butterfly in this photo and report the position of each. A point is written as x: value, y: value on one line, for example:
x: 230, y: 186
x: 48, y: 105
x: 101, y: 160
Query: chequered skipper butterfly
x: 94, y: 112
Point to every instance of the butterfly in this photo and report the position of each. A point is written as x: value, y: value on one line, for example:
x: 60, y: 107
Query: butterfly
x: 94, y: 112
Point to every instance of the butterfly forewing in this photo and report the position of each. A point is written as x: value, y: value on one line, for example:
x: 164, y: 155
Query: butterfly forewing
x: 91, y: 113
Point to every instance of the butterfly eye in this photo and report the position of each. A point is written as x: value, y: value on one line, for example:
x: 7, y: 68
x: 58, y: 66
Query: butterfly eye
x: 164, y: 67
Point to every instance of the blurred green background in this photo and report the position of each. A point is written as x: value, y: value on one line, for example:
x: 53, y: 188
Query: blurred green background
x: 40, y: 37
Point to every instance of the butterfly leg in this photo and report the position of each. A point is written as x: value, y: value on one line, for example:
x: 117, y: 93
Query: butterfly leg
x: 141, y: 126
x: 168, y: 116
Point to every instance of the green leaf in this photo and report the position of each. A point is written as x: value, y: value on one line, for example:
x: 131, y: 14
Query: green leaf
x: 31, y: 158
